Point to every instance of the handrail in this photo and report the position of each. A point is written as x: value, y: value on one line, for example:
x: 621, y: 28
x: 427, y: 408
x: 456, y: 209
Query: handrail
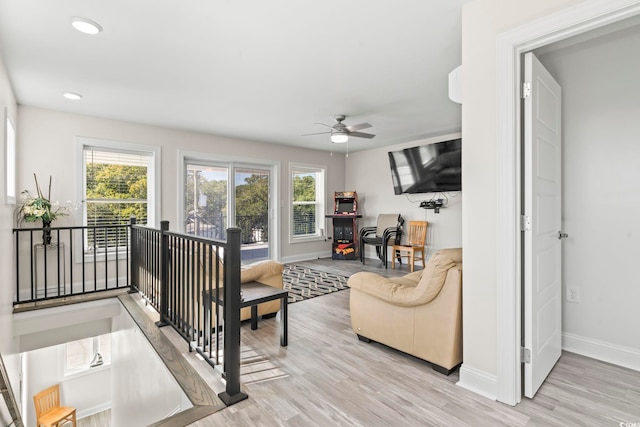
x: 9, y: 397
x: 178, y: 274
x: 52, y: 268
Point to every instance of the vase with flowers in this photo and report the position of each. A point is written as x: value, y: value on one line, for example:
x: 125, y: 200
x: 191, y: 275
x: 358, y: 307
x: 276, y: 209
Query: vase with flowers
x: 40, y: 208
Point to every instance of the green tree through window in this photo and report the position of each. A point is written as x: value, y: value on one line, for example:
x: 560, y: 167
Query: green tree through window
x: 116, y: 190
x: 308, y: 194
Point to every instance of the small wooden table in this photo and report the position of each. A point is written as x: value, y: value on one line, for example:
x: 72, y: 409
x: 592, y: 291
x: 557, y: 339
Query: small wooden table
x: 254, y: 293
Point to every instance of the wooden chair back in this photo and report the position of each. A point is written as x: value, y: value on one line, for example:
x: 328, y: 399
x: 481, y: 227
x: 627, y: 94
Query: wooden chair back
x: 47, y: 400
x: 49, y: 413
x: 417, y: 233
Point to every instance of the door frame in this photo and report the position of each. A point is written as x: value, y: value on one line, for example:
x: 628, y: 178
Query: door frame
x: 511, y: 45
x: 274, y: 188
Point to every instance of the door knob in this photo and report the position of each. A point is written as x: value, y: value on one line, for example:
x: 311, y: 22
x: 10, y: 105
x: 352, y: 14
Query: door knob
x: 562, y: 235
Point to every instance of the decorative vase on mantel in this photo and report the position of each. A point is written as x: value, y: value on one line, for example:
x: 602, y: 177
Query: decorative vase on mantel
x: 46, y: 232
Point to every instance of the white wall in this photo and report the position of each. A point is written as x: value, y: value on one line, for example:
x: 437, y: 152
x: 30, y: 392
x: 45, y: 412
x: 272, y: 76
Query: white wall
x: 144, y: 389
x: 137, y: 386
x: 8, y: 345
x: 89, y: 392
x: 46, y: 146
x: 368, y: 173
x: 42, y: 335
x: 482, y: 21
x: 601, y: 193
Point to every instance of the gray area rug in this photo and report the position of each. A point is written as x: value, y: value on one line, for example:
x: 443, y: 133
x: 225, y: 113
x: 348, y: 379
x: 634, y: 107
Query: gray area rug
x: 304, y: 283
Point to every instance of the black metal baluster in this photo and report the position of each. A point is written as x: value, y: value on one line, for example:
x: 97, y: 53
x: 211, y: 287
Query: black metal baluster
x: 117, y: 246
x: 95, y: 260
x: 216, y: 306
x: 17, y: 233
x: 71, y: 259
x: 84, y: 273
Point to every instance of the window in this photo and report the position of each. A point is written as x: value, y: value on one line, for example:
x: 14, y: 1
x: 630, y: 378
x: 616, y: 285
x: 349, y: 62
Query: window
x: 308, y: 195
x: 10, y: 159
x: 87, y: 353
x: 227, y: 191
x: 119, y: 182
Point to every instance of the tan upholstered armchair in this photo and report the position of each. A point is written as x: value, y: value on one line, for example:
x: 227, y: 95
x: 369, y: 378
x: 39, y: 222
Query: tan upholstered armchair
x: 419, y: 313
x: 268, y: 272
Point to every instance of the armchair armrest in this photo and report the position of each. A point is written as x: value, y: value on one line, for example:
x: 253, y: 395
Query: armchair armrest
x: 397, y: 291
x: 268, y: 272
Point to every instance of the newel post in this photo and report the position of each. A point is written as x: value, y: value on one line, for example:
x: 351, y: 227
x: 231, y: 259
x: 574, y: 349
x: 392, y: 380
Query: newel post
x: 164, y: 274
x: 133, y: 260
x: 232, y: 393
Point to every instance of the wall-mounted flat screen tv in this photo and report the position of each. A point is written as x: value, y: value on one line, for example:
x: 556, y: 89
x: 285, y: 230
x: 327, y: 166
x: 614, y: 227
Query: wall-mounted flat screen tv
x: 430, y: 168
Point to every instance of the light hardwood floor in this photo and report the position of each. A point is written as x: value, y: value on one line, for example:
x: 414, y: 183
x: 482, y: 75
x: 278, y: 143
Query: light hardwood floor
x: 101, y: 419
x: 326, y: 377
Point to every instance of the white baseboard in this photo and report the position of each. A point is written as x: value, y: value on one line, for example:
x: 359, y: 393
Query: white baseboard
x: 305, y: 257
x: 93, y: 410
x: 52, y: 289
x: 600, y: 350
x: 478, y: 382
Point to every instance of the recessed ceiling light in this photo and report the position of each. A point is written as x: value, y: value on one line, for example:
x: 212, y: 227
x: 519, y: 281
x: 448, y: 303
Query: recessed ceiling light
x: 72, y: 95
x: 85, y: 25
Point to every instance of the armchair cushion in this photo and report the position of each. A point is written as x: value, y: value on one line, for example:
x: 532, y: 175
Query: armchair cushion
x: 434, y: 274
x: 393, y: 290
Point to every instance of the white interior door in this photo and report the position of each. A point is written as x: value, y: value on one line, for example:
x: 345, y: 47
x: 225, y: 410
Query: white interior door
x: 542, y: 205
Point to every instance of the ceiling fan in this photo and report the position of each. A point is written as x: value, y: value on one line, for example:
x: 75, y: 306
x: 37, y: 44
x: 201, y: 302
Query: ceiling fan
x: 340, y: 132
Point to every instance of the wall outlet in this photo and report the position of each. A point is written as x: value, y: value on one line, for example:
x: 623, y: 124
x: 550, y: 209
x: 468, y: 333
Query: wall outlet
x: 573, y: 294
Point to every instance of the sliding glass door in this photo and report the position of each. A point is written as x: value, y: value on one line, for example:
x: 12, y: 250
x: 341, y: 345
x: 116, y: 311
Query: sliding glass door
x: 252, y: 211
x: 219, y: 196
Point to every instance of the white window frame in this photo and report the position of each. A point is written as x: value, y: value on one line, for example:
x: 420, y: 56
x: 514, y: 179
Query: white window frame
x: 321, y: 196
x: 87, y: 369
x: 204, y: 158
x: 153, y: 181
x: 10, y: 159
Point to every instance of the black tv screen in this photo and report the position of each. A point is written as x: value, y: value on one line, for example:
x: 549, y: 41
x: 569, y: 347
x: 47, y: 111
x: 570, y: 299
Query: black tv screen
x: 430, y: 168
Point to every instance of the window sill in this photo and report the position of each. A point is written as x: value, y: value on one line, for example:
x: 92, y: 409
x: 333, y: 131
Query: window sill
x: 87, y: 371
x: 101, y: 257
x: 306, y: 239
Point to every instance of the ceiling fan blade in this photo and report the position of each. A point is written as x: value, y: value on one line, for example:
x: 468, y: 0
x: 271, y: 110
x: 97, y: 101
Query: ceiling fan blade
x: 354, y: 128
x: 361, y: 135
x: 323, y: 125
x: 316, y: 133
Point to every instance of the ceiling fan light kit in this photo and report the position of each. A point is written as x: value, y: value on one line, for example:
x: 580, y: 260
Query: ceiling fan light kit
x: 339, y: 137
x: 340, y: 132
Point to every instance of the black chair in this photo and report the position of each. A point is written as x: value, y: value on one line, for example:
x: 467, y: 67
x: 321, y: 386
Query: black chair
x: 388, y: 226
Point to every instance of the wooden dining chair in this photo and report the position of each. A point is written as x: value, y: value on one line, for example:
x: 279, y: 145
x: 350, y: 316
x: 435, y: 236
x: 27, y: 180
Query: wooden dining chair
x: 49, y: 413
x: 416, y: 237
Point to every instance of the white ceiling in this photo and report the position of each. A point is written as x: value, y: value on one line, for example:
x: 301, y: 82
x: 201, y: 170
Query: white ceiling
x: 251, y: 69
